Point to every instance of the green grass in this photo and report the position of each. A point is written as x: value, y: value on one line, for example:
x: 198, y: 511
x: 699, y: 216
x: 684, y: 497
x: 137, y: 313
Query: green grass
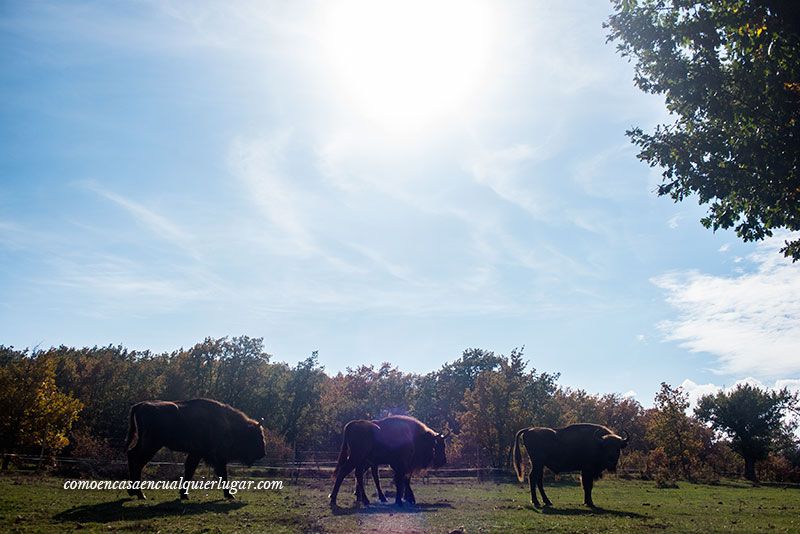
x: 30, y: 504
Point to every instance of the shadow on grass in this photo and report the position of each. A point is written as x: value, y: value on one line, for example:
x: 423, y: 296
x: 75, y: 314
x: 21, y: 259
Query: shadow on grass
x: 391, y: 508
x: 550, y: 510
x: 108, y: 512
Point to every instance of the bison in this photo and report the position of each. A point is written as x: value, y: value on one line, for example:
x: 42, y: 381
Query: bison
x: 402, y: 442
x: 583, y: 447
x: 205, y: 429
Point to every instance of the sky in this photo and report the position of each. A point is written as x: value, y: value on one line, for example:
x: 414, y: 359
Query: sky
x: 376, y: 181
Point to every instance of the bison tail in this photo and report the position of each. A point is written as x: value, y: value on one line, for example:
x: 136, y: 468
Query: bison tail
x: 342, y: 455
x: 518, y: 456
x: 132, y: 428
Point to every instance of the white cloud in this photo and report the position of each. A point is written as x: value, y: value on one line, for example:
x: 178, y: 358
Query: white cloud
x: 696, y: 391
x: 630, y: 394
x: 673, y: 221
x: 750, y: 321
x: 641, y: 338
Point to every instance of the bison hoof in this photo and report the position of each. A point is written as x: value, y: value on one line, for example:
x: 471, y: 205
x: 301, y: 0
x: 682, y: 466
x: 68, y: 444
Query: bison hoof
x: 230, y: 497
x: 383, y: 499
x: 184, y: 496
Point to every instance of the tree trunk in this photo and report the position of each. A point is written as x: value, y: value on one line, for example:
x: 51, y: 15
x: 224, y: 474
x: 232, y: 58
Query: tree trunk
x: 750, y: 469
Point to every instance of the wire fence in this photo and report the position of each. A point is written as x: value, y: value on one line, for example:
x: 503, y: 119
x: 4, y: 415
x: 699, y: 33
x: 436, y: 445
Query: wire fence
x: 311, y: 468
x: 318, y: 465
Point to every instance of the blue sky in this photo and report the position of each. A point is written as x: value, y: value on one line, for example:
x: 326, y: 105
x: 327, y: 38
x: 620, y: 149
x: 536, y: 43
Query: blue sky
x: 376, y: 183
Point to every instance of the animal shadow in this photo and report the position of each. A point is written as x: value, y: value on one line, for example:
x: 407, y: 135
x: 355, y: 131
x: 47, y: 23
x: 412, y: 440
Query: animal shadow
x: 391, y: 508
x: 550, y: 510
x: 107, y: 512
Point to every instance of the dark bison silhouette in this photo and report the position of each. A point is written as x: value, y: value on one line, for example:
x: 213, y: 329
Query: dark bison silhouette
x: 402, y: 442
x: 205, y: 429
x: 583, y: 447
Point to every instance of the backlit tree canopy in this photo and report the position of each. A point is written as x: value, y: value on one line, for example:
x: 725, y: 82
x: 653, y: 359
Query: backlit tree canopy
x: 730, y: 74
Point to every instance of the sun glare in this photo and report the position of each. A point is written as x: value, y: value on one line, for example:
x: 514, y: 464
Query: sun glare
x: 408, y: 64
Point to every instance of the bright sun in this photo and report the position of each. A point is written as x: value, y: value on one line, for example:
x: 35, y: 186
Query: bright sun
x: 407, y: 64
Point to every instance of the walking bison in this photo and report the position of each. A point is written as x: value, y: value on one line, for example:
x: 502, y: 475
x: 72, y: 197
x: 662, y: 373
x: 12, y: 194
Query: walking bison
x: 402, y: 442
x: 583, y: 447
x: 205, y: 429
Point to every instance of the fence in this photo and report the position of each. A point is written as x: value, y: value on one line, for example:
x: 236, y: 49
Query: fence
x: 274, y: 468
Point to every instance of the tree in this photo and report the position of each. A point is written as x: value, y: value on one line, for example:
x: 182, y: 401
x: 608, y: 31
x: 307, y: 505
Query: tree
x: 670, y: 429
x: 33, y: 412
x: 107, y: 380
x: 730, y: 73
x: 501, y: 402
x: 751, y: 417
x: 440, y: 394
x: 303, y: 393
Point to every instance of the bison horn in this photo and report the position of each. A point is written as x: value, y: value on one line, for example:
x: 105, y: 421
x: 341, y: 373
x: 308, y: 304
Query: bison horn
x: 598, y: 434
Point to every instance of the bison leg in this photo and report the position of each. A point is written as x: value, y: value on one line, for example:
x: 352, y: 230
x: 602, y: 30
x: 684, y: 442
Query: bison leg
x: 587, y: 481
x: 377, y: 480
x: 364, y: 488
x: 400, y: 485
x: 540, y: 484
x: 345, y: 470
x: 532, y: 482
x: 138, y: 457
x: 361, y: 494
x: 221, y: 470
x: 188, y: 473
x: 409, y: 494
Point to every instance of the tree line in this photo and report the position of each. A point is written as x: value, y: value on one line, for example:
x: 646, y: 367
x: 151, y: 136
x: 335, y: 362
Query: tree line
x: 75, y: 401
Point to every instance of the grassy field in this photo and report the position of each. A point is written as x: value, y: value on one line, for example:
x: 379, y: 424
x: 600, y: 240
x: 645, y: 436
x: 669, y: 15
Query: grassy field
x: 30, y: 504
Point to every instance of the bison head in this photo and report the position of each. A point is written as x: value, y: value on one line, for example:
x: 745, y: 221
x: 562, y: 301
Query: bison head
x: 610, y: 447
x: 439, y: 458
x: 251, y: 444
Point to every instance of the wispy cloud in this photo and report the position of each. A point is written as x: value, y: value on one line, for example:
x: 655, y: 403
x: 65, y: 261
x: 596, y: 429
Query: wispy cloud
x: 16, y: 236
x: 750, y: 321
x: 147, y: 217
x: 600, y: 176
x: 501, y: 170
x: 260, y: 166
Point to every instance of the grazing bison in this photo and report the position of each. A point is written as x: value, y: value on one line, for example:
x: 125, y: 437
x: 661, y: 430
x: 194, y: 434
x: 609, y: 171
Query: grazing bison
x: 584, y: 447
x: 204, y: 428
x: 402, y: 442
